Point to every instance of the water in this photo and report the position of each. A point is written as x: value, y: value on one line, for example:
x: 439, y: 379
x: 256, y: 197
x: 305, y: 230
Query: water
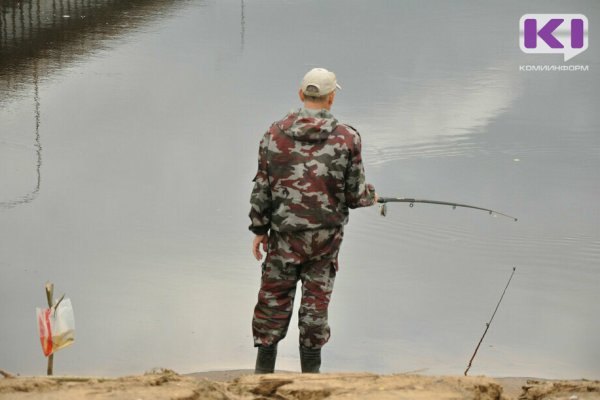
x: 128, y: 141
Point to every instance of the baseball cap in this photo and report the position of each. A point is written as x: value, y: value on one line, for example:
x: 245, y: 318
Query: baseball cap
x: 319, y: 82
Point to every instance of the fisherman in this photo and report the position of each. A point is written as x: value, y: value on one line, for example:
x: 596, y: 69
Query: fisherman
x: 310, y: 172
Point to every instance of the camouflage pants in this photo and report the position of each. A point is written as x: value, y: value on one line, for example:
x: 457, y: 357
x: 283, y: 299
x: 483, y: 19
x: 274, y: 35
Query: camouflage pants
x: 309, y: 257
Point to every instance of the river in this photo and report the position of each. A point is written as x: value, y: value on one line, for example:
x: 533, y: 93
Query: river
x: 128, y: 141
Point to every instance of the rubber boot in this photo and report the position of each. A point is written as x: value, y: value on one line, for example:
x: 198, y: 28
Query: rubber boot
x: 310, y: 360
x: 265, y: 359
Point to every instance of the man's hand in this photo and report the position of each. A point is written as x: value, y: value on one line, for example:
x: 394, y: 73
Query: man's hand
x: 258, y: 239
x: 376, y: 199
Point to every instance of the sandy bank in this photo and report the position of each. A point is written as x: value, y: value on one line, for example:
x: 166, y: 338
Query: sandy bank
x: 169, y: 385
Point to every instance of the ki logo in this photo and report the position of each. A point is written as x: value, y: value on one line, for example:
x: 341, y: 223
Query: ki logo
x: 565, y: 34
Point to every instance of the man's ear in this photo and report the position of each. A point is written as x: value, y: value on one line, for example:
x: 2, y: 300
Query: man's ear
x: 331, y: 97
x: 301, y: 95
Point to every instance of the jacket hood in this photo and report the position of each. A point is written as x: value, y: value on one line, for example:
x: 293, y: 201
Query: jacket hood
x: 308, y: 125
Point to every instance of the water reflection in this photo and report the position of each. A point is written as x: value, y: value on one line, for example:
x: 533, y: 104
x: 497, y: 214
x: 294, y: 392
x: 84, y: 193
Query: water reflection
x: 30, y: 196
x: 40, y: 37
x: 440, y: 117
x: 58, y: 32
x: 242, y: 25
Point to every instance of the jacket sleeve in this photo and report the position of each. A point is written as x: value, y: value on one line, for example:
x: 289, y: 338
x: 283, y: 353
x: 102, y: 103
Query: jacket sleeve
x: 261, y: 200
x: 358, y: 192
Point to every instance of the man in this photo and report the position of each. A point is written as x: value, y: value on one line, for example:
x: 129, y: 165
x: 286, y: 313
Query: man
x: 310, y: 173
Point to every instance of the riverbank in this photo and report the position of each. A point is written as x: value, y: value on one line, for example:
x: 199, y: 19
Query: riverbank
x: 241, y: 384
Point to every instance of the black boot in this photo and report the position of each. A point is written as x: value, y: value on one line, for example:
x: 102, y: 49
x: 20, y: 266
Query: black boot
x: 265, y: 359
x: 310, y: 360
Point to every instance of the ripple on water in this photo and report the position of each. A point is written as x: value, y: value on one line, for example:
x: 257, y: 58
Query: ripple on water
x: 438, y: 117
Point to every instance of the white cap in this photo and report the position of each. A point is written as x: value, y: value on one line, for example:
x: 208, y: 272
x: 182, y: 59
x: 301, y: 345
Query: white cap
x: 319, y: 82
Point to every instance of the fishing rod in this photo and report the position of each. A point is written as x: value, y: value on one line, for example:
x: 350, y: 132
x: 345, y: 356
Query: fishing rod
x: 487, y: 325
x: 411, y: 202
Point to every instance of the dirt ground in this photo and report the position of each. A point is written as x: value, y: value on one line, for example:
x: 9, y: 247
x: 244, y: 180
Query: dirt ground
x: 241, y: 385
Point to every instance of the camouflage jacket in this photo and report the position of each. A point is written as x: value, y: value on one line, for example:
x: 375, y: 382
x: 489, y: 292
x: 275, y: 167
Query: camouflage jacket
x: 310, y: 173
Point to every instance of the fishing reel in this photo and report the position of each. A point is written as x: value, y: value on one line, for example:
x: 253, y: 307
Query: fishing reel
x: 383, y: 208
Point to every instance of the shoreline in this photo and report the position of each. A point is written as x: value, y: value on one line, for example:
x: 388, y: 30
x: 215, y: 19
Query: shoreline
x: 243, y: 384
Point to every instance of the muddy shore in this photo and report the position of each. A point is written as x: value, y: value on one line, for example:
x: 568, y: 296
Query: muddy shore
x: 240, y: 384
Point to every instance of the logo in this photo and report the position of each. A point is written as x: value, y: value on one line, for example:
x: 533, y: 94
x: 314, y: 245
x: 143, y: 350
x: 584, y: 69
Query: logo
x: 565, y: 34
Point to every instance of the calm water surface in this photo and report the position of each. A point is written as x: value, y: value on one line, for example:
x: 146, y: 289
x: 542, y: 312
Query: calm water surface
x: 128, y: 140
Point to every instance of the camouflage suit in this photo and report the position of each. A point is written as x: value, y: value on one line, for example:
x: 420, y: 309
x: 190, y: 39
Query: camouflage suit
x: 310, y: 173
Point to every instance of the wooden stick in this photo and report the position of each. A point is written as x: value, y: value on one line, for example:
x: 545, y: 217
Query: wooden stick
x: 49, y: 294
x: 55, y: 306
